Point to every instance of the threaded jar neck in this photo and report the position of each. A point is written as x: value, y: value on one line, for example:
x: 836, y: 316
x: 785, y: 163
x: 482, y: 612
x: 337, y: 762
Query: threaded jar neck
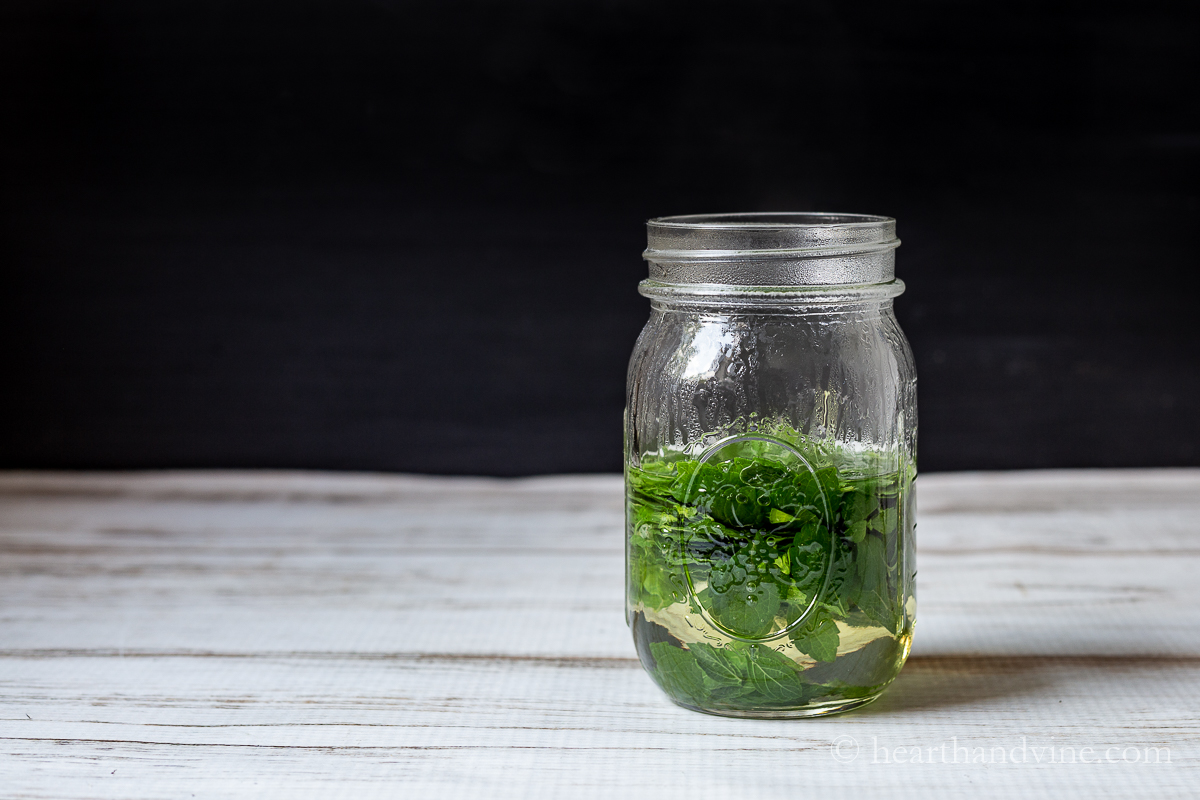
x: 794, y: 250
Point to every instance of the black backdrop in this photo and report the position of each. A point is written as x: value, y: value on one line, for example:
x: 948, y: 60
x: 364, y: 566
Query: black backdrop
x: 406, y: 236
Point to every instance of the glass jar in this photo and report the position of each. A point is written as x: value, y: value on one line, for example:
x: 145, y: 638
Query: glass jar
x: 770, y: 443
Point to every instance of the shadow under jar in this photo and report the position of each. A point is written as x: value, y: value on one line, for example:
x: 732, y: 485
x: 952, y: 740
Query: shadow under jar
x: 770, y: 443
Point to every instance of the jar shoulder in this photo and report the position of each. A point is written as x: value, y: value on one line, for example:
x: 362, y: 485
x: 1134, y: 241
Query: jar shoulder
x: 847, y: 376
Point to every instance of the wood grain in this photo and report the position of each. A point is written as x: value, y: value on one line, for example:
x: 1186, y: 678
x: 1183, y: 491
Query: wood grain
x: 312, y: 635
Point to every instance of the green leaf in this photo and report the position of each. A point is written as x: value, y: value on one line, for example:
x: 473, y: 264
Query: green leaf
x: 745, y: 609
x: 857, y: 505
x: 873, y: 597
x: 743, y: 592
x: 812, y: 532
x: 678, y: 672
x: 827, y: 477
x: 841, y: 690
x: 851, y: 692
x: 773, y: 675
x: 857, y: 531
x: 735, y: 492
x: 777, y: 517
x: 729, y: 694
x: 653, y: 581
x: 652, y: 478
x: 797, y: 597
x: 843, y: 580
x: 885, y: 521
x: 758, y: 472
x: 807, y: 564
x: 817, y: 638
x: 725, y: 667
x: 763, y: 652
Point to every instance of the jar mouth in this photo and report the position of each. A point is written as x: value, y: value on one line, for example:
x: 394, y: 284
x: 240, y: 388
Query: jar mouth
x: 767, y: 219
x: 791, y: 249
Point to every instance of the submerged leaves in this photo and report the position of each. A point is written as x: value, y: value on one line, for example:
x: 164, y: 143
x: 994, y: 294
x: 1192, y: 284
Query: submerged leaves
x: 761, y: 545
x: 732, y: 676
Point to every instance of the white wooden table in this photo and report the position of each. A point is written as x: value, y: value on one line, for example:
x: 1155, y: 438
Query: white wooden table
x: 311, y: 635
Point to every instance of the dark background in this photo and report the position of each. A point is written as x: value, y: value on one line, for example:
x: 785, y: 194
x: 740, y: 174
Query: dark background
x: 406, y: 236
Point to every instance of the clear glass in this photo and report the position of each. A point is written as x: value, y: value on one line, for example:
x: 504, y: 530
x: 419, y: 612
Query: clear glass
x: 770, y: 461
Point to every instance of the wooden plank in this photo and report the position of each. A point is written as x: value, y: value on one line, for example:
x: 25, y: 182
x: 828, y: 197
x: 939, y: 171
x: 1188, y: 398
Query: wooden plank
x: 315, y: 635
x: 148, y: 726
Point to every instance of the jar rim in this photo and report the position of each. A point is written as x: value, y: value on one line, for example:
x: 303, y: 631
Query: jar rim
x: 772, y: 248
x: 760, y: 220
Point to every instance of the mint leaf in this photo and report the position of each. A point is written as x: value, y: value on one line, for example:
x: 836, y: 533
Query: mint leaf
x: 843, y: 580
x: 742, y: 590
x: 807, y: 566
x: 729, y: 694
x: 733, y: 492
x: 678, y: 672
x: 885, y: 522
x: 723, y: 666
x: 777, y: 517
x: 773, y: 675
x: 744, y: 608
x: 857, y: 505
x: 817, y: 638
x: 658, y: 586
x: 872, y: 571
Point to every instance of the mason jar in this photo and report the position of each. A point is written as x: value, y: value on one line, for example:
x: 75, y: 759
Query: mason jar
x: 770, y: 459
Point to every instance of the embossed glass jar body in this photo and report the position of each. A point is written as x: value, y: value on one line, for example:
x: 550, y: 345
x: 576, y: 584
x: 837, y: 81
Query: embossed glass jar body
x: 770, y: 441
